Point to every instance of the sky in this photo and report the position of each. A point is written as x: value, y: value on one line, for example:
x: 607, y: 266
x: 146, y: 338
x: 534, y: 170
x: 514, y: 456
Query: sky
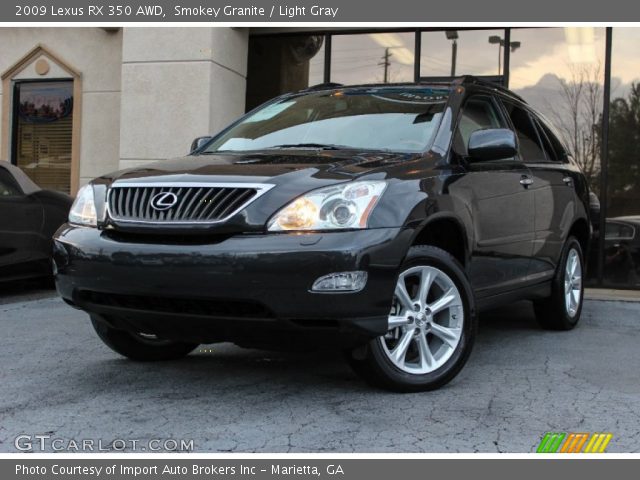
x: 542, y: 52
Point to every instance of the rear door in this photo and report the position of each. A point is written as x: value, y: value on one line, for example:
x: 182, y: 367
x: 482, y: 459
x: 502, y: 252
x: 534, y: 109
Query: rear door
x: 501, y: 204
x: 21, y: 218
x: 554, y: 190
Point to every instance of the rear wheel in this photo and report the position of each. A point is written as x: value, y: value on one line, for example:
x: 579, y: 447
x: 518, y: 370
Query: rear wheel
x: 432, y: 326
x: 141, y: 346
x: 561, y: 311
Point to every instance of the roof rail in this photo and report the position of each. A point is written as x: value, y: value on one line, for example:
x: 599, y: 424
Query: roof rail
x: 472, y: 80
x: 322, y: 86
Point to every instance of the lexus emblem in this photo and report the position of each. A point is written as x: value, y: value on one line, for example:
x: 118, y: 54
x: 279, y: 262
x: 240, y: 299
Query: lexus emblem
x: 164, y: 200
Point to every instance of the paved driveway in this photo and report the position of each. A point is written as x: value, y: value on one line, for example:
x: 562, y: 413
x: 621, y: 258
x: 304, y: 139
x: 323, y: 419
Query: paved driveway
x: 58, y: 379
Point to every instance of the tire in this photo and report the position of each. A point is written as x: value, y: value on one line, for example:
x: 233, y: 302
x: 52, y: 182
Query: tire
x: 382, y: 363
x: 554, y: 312
x: 138, y: 347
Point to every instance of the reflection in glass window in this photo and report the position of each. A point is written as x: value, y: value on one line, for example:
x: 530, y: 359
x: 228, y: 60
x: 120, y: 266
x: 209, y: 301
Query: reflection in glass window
x: 316, y: 65
x: 622, y: 240
x: 528, y: 140
x: 43, y: 127
x: 382, y: 118
x: 559, y: 71
x: 8, y: 185
x: 282, y: 64
x: 372, y: 58
x: 461, y: 52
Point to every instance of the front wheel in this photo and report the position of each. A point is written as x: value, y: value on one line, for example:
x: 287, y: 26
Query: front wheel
x: 140, y: 346
x: 432, y: 326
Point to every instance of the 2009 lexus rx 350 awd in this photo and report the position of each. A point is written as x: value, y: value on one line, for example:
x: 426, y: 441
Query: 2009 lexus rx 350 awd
x: 374, y: 219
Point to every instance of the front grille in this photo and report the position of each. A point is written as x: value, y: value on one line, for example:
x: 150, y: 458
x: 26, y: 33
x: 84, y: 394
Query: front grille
x: 179, y: 204
x: 181, y: 306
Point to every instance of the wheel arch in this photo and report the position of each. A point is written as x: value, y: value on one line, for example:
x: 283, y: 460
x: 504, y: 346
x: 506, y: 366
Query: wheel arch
x: 580, y: 229
x: 447, y: 232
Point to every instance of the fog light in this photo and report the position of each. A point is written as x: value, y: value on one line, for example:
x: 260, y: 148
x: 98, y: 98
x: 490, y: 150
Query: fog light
x: 341, y: 282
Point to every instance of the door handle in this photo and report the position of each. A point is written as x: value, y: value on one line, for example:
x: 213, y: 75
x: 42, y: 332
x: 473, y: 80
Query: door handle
x: 526, y: 181
x: 567, y: 181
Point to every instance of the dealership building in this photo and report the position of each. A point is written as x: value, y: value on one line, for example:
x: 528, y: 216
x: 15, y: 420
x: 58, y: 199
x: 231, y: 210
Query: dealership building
x: 80, y: 102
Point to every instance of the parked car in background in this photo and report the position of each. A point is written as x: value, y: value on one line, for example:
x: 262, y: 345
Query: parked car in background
x: 622, y: 250
x: 378, y: 219
x: 29, y: 216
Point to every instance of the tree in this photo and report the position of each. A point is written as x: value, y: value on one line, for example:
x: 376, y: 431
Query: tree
x: 578, y: 116
x: 624, y: 156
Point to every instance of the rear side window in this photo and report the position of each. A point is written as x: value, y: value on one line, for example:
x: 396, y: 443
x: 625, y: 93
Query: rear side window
x: 8, y: 185
x: 552, y: 146
x: 479, y: 113
x: 531, y: 148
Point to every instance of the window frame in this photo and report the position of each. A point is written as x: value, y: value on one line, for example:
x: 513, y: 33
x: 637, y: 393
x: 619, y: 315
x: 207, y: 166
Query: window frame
x: 545, y: 130
x: 525, y: 108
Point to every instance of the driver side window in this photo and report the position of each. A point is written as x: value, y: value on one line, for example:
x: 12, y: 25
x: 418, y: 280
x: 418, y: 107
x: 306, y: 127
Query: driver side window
x: 8, y: 187
x: 479, y: 113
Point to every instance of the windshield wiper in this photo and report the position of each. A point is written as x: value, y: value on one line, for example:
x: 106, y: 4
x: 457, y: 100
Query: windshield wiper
x: 320, y: 146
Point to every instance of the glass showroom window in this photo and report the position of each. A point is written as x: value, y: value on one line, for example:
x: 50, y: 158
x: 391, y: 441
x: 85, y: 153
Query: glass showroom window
x: 372, y: 58
x: 622, y: 232
x: 462, y: 52
x: 560, y: 72
x: 280, y: 64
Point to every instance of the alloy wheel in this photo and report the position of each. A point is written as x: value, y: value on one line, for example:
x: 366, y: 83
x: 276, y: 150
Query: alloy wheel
x: 426, y: 320
x: 572, y: 283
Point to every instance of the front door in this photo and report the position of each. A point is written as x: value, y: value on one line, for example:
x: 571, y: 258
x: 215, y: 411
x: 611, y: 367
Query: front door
x: 501, y: 205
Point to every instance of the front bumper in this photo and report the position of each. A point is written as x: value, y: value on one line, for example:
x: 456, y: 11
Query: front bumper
x: 231, y: 288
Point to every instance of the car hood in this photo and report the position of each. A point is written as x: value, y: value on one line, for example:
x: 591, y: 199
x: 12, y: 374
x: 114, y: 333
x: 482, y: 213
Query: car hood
x: 314, y: 166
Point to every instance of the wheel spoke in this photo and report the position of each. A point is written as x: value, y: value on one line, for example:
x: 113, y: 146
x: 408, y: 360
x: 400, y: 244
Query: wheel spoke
x: 397, y: 321
x: 444, y: 302
x: 447, y: 334
x: 400, y: 351
x: 577, y: 283
x: 403, y: 296
x: 426, y: 357
x: 426, y: 279
x: 575, y: 297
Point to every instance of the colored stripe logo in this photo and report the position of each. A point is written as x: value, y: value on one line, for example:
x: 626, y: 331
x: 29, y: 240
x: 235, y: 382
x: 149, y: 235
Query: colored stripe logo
x: 561, y: 442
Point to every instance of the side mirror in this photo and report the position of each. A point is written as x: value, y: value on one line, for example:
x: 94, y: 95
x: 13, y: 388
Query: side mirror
x: 492, y: 144
x: 199, y: 142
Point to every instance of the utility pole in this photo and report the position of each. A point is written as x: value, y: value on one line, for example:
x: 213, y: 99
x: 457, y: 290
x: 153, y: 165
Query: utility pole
x: 454, y: 55
x: 386, y: 63
x: 453, y: 36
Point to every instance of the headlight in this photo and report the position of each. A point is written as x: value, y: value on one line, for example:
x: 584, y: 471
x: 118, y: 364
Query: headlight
x: 347, y: 205
x: 83, y: 210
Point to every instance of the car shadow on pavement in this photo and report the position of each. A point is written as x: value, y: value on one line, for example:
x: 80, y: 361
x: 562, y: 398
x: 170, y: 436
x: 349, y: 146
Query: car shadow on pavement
x: 25, y: 290
x: 218, y: 368
x: 518, y: 316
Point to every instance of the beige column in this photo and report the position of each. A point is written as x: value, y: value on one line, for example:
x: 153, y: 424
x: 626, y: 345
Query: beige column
x: 178, y: 84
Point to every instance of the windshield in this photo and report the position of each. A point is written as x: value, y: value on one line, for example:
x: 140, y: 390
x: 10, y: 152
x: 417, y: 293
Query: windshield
x: 385, y: 118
